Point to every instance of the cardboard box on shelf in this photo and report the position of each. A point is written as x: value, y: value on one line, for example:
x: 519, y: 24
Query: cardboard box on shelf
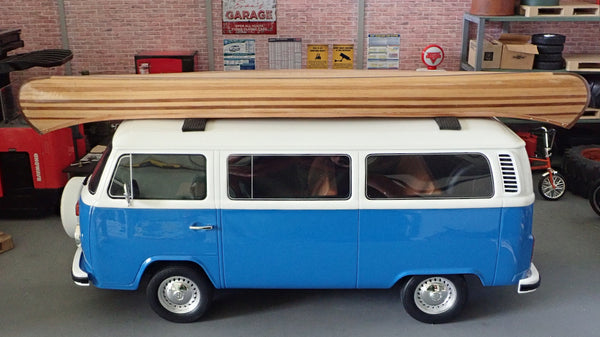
x: 517, y: 52
x: 492, y: 52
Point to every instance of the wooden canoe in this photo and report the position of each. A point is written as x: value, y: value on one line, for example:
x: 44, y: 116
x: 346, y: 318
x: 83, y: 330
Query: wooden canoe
x: 61, y: 101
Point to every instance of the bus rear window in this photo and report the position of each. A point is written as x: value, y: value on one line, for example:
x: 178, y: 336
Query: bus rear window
x: 94, y: 179
x: 406, y: 176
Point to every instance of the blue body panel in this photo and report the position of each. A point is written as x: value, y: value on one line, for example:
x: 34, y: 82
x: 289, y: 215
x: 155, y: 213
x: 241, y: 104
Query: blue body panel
x: 290, y: 248
x: 396, y: 243
x: 123, y: 241
x: 516, y: 245
x: 309, y: 248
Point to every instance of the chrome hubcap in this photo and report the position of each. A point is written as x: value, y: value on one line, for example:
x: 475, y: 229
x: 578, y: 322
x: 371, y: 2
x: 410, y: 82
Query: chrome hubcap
x: 435, y: 295
x: 179, y: 294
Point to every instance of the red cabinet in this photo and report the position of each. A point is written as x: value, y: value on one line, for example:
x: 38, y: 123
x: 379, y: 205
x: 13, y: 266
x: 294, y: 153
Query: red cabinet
x: 155, y: 62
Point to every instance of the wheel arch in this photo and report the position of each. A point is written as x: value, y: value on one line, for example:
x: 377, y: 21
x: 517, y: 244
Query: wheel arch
x: 470, y: 276
x: 152, y: 266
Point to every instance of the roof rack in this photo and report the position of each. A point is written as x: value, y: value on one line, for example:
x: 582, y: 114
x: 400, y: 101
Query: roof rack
x: 448, y: 123
x: 193, y: 124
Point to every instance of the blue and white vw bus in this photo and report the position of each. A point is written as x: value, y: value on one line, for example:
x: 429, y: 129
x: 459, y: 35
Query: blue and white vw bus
x: 305, y: 203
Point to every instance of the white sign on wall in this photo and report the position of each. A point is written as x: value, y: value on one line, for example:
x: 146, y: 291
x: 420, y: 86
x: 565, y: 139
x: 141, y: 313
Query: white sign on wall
x: 249, y: 17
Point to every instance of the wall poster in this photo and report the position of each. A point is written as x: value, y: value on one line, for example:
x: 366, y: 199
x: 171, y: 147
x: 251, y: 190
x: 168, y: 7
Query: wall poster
x: 383, y: 51
x: 249, y: 17
x: 239, y: 54
x: 317, y: 56
x: 285, y: 53
x: 343, y: 56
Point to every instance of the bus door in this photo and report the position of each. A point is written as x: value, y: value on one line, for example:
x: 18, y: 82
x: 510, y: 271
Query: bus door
x: 289, y: 221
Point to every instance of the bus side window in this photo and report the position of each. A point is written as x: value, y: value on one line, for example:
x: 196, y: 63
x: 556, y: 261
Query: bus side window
x: 289, y: 177
x: 160, y: 177
x: 405, y: 176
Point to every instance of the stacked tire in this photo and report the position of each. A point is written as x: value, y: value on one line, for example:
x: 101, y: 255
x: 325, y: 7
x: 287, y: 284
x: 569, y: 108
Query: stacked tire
x: 550, y: 48
x: 581, y: 167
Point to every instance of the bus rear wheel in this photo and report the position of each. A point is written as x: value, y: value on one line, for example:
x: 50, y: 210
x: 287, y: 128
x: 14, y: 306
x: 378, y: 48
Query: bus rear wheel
x: 434, y: 299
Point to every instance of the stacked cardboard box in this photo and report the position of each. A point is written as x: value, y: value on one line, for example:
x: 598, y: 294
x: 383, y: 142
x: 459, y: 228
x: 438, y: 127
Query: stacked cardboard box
x: 510, y: 51
x: 517, y: 52
x: 492, y: 52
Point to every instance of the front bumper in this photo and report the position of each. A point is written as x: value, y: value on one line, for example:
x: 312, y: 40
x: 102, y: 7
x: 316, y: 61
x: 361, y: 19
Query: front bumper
x: 531, y: 281
x: 79, y: 276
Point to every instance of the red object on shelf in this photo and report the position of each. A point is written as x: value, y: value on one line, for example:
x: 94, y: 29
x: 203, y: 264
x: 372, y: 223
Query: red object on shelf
x: 432, y: 56
x: 156, y: 62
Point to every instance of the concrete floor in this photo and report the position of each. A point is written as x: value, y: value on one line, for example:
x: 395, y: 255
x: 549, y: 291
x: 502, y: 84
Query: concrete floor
x: 37, y: 297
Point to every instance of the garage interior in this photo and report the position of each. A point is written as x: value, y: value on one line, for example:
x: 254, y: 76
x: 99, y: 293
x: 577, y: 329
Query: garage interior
x: 37, y: 295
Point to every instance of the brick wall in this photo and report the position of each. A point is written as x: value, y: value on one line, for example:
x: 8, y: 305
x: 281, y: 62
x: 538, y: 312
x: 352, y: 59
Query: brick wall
x: 419, y: 23
x: 315, y: 22
x: 105, y: 35
x: 38, y: 21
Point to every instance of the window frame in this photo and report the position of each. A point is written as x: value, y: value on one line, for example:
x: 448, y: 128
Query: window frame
x: 346, y: 197
x: 429, y: 197
x: 131, y: 178
x: 93, y: 180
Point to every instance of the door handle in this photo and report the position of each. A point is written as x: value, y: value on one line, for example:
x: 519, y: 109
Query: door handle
x: 201, y: 228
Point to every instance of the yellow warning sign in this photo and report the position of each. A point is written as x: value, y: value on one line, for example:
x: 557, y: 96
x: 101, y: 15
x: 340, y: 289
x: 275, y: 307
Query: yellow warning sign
x: 343, y: 56
x: 317, y: 56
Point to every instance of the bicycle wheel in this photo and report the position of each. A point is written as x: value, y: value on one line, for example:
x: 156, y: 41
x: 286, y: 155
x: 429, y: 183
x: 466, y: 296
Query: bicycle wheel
x: 549, y: 192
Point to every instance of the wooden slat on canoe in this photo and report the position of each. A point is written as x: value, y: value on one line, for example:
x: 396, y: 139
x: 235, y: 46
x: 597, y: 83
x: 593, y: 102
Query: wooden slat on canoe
x: 56, y: 102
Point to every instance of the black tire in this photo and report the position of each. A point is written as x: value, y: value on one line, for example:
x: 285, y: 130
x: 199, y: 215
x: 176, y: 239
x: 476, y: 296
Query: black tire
x: 548, y: 65
x: 434, y: 299
x: 552, y: 193
x: 549, y: 58
x: 594, y: 197
x: 594, y: 82
x: 548, y: 39
x: 580, y: 169
x: 179, y: 294
x: 550, y: 49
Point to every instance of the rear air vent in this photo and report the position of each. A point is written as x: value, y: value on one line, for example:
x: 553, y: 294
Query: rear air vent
x: 509, y: 175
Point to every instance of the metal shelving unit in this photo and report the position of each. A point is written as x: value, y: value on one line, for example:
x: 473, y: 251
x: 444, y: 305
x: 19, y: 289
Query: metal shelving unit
x: 481, y: 21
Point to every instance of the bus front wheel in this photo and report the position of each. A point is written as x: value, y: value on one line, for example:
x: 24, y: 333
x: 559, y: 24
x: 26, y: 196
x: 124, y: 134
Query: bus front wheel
x: 179, y: 294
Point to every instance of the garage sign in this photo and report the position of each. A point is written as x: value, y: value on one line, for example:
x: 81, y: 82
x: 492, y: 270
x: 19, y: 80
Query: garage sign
x: 343, y: 55
x: 249, y: 17
x: 317, y: 56
x: 432, y: 56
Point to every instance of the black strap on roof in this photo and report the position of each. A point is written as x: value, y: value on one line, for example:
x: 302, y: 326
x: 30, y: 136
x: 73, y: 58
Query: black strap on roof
x: 193, y: 124
x: 448, y: 123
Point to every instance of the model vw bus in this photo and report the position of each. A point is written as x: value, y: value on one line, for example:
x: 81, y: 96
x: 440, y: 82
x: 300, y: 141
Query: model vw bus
x: 305, y: 203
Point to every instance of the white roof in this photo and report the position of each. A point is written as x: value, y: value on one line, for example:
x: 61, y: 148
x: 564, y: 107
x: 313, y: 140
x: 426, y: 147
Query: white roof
x: 393, y: 134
